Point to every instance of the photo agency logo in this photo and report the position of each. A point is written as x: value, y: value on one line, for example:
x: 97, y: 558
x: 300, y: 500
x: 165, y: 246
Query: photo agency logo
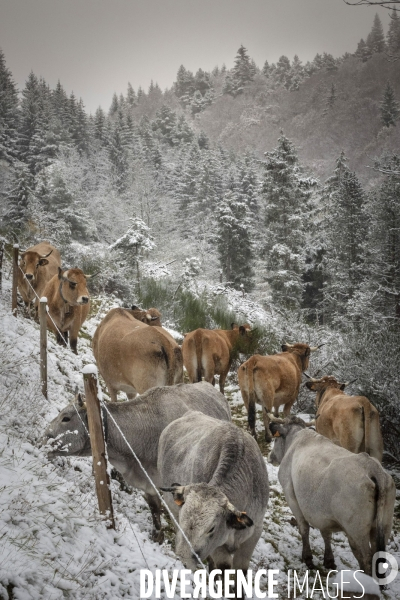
x: 384, y: 567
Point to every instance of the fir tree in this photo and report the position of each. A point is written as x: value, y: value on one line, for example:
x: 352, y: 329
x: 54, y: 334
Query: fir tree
x: 286, y: 191
x: 18, y: 197
x: 9, y: 115
x: 376, y: 38
x: 343, y: 227
x: 242, y: 73
x: 114, y: 105
x: 131, y: 98
x: 234, y: 241
x: 363, y: 51
x: 393, y: 36
x: 282, y: 73
x: 383, y: 269
x: 389, y: 107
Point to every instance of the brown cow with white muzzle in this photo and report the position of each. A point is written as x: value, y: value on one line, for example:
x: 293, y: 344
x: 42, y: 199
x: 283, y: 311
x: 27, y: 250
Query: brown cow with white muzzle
x: 348, y: 421
x: 272, y: 381
x: 209, y: 352
x: 68, y: 303
x: 38, y: 265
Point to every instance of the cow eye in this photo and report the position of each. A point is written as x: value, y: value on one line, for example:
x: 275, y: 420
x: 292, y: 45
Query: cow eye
x: 211, y: 530
x: 66, y: 419
x: 72, y: 286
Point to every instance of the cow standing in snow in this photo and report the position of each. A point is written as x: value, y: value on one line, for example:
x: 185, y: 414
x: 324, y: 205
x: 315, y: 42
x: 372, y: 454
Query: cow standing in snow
x: 68, y: 301
x: 331, y: 489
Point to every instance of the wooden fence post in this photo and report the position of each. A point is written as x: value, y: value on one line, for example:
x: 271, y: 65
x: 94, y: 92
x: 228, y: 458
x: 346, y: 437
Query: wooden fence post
x: 14, y: 280
x: 43, y: 344
x: 98, y: 445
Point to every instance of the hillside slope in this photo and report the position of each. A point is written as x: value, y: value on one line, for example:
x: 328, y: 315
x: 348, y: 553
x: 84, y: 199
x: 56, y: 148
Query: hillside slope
x: 254, y: 119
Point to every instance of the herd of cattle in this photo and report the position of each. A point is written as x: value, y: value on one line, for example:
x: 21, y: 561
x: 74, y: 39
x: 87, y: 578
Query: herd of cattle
x: 331, y: 475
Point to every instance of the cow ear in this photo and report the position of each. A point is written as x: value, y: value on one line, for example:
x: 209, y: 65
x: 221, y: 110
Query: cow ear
x: 238, y: 520
x: 242, y: 330
x: 177, y: 493
x: 276, y: 430
x: 234, y: 326
x: 60, y: 273
x: 343, y: 385
x: 43, y: 262
x: 310, y: 384
x: 134, y: 307
x: 284, y: 348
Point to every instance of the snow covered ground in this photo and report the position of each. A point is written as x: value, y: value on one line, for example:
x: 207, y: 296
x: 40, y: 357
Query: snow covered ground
x: 53, y: 544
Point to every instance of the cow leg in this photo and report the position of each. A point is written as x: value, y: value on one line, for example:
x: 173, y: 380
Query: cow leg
x: 362, y: 552
x: 222, y: 559
x: 222, y: 379
x: 329, y: 560
x: 155, y: 509
x: 303, y: 526
x: 266, y: 419
x: 113, y: 393
x: 61, y: 338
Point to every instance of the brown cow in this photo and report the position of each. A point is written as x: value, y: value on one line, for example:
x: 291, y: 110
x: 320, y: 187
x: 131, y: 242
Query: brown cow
x: 68, y: 302
x: 348, y: 421
x: 151, y: 316
x: 209, y: 352
x: 134, y: 357
x: 38, y: 264
x: 272, y: 381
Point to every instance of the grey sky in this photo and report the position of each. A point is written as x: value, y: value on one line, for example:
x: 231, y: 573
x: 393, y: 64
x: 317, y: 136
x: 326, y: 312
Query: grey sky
x: 96, y: 46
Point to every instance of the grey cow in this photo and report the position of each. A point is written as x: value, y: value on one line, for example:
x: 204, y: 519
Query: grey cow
x: 332, y: 489
x: 224, y: 496
x: 142, y: 421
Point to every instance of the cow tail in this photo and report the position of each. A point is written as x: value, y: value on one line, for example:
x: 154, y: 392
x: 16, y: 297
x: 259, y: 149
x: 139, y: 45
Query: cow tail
x: 169, y: 364
x: 198, y: 349
x: 252, y: 395
x: 178, y: 364
x: 366, y: 410
x: 381, y: 493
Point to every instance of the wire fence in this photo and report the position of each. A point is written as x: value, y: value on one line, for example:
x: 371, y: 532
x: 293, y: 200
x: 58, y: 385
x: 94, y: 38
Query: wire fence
x: 104, y: 406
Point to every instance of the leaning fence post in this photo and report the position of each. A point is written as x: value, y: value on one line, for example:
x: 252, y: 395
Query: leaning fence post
x: 43, y: 344
x: 96, y: 430
x: 14, y: 280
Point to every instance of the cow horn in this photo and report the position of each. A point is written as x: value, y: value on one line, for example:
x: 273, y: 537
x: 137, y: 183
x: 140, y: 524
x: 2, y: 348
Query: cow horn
x: 231, y: 508
x: 45, y: 255
x: 314, y: 348
x: 349, y: 382
x: 91, y: 276
x: 148, y: 316
x: 311, y: 423
x: 154, y: 318
x: 275, y: 419
x: 288, y: 345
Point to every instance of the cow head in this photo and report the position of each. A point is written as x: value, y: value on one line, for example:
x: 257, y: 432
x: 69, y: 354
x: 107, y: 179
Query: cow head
x: 207, y: 517
x: 30, y: 263
x: 282, y: 433
x: 328, y: 381
x: 151, y: 316
x: 66, y: 434
x: 301, y: 350
x: 73, y: 286
x: 244, y: 340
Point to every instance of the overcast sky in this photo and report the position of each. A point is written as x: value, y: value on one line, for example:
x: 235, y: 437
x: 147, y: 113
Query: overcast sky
x: 96, y: 46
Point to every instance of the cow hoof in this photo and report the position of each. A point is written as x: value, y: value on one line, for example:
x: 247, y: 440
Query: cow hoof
x: 309, y: 563
x: 330, y: 564
x: 157, y: 536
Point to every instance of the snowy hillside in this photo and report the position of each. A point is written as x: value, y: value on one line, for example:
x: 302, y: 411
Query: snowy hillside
x: 53, y: 544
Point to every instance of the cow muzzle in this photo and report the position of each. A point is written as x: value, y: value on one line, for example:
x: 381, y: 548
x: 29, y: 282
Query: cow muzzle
x: 84, y: 300
x: 29, y: 276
